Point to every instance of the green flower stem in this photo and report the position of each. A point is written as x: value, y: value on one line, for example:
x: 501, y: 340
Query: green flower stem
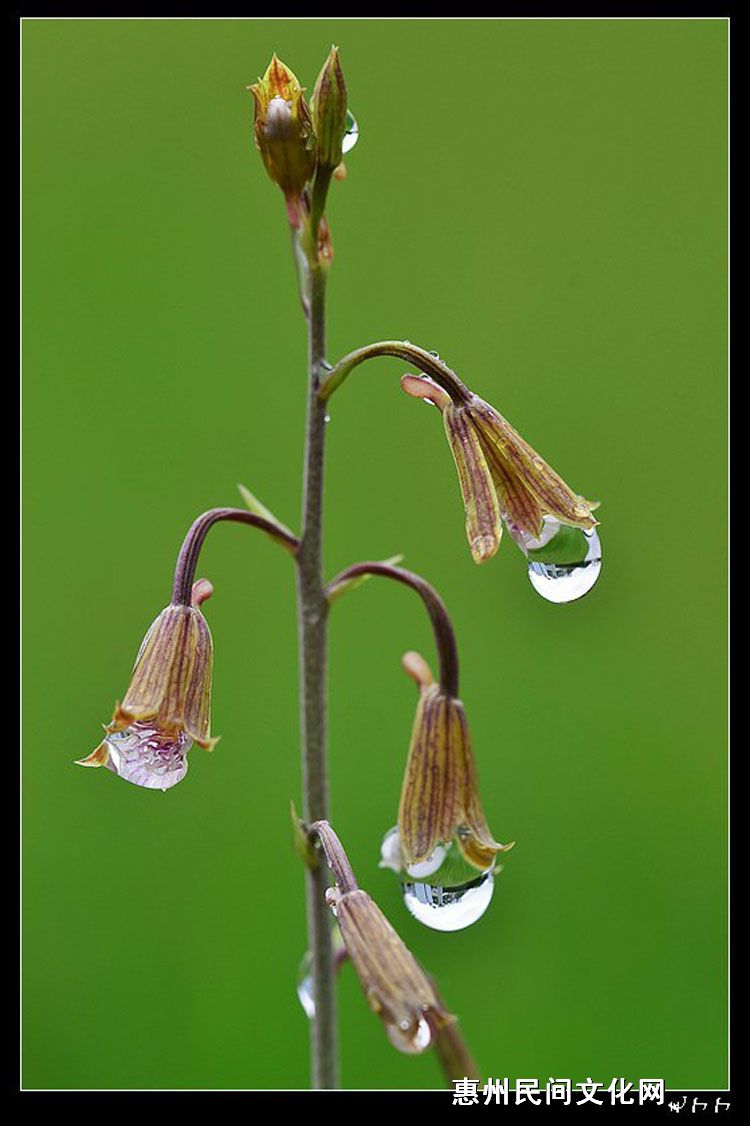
x: 313, y: 646
x: 421, y: 359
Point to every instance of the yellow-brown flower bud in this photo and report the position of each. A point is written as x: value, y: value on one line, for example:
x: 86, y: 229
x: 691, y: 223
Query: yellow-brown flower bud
x: 284, y: 134
x: 167, y: 705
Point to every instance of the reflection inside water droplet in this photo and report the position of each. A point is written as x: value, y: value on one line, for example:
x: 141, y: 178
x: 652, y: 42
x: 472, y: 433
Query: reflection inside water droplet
x: 450, y: 908
x: 445, y: 892
x: 564, y: 563
x: 351, y: 133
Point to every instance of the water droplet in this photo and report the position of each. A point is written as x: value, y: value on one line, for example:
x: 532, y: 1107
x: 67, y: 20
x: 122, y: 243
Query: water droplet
x: 327, y: 418
x: 305, y: 985
x: 565, y: 564
x: 332, y: 898
x: 325, y: 365
x: 450, y: 908
x: 390, y: 852
x: 444, y: 892
x: 351, y: 133
x: 305, y: 974
x: 412, y: 1043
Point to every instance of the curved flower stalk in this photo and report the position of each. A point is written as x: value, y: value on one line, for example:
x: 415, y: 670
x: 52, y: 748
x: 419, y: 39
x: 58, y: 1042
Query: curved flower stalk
x: 395, y: 986
x: 440, y: 799
x: 167, y: 705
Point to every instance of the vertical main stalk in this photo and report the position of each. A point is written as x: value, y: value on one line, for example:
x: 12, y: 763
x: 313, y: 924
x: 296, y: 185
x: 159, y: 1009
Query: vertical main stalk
x: 313, y: 644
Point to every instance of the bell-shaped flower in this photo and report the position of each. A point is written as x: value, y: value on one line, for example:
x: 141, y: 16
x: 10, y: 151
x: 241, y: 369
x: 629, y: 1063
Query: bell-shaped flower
x: 167, y: 706
x: 440, y: 800
x: 502, y: 479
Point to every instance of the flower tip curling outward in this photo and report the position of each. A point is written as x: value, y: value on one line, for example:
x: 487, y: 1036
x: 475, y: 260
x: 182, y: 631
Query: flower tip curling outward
x: 440, y: 800
x: 201, y: 592
x: 168, y: 702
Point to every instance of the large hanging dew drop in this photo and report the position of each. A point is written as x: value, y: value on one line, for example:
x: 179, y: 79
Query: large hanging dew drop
x: 351, y: 133
x: 564, y: 563
x: 444, y: 892
x: 449, y: 908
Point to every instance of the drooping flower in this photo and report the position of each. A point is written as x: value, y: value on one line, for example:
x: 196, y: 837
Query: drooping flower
x: 440, y: 800
x: 167, y: 706
x: 502, y: 479
x: 284, y: 134
x: 396, y: 987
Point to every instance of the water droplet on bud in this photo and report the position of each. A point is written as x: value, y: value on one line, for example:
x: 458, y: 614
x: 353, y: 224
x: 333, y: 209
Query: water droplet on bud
x: 449, y: 908
x: 444, y: 892
x: 351, y: 133
x: 564, y: 563
x: 420, y: 1039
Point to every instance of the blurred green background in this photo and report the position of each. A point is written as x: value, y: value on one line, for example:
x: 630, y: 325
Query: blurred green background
x: 544, y: 202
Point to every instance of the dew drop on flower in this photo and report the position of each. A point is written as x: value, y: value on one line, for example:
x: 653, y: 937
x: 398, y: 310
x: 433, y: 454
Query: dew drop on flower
x: 564, y: 563
x: 444, y: 892
x: 145, y: 756
x: 449, y: 908
x: 351, y: 133
x: 412, y: 1042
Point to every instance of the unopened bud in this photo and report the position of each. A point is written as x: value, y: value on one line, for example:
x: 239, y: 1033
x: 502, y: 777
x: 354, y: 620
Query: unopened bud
x: 284, y: 134
x: 329, y: 111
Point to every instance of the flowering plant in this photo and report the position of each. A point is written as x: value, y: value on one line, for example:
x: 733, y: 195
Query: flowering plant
x: 441, y: 846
